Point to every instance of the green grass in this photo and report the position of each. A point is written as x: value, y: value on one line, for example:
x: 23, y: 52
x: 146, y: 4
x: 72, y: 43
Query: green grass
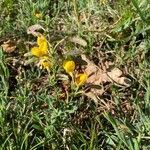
x: 33, y: 116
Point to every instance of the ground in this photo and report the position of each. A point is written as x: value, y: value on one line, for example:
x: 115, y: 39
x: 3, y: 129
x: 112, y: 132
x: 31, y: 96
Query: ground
x: 45, y: 106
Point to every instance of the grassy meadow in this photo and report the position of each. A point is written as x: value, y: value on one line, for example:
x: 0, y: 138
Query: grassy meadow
x: 74, y: 75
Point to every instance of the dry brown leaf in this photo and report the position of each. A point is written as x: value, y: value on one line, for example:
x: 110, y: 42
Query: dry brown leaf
x: 8, y: 46
x: 34, y: 29
x: 115, y: 75
x: 98, y: 76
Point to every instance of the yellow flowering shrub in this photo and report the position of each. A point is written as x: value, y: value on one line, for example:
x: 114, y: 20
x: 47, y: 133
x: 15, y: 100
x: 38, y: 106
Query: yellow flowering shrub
x: 78, y: 79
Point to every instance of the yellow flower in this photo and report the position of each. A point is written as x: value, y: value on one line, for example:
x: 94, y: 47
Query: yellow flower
x: 104, y: 2
x: 41, y: 39
x: 39, y: 51
x: 35, y: 51
x: 38, y: 15
x: 81, y: 79
x: 42, y: 50
x: 69, y: 66
x: 45, y: 63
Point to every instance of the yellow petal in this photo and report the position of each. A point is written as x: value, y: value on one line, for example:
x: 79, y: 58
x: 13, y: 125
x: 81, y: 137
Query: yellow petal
x: 41, y: 39
x: 81, y: 79
x: 45, y: 62
x: 69, y: 66
x: 39, y: 51
x: 44, y: 48
x: 36, y: 52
